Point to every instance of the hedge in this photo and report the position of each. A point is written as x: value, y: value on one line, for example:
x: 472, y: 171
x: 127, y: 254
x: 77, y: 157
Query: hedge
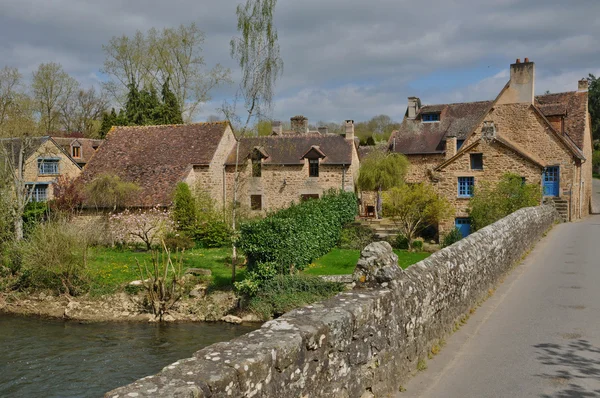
x: 294, y: 237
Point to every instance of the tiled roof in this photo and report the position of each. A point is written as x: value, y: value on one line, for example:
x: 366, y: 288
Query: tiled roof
x: 155, y: 157
x: 417, y: 137
x: 87, y: 147
x: 290, y: 148
x: 575, y: 104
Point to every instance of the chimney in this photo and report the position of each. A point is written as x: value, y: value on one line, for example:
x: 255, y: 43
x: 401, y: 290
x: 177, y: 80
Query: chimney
x: 582, y: 85
x: 349, y: 129
x: 276, y: 127
x: 522, y: 82
x: 323, y: 130
x: 299, y: 124
x: 414, y: 104
x: 450, y: 146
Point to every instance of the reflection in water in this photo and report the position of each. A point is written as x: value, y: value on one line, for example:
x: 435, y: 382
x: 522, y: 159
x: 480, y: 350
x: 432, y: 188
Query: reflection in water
x: 53, y: 358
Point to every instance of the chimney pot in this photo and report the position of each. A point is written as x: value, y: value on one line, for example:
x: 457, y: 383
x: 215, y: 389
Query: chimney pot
x: 582, y: 85
x: 518, y: 61
x: 526, y: 59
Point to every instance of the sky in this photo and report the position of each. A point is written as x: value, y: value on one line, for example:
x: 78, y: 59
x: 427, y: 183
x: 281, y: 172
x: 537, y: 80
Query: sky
x: 343, y: 59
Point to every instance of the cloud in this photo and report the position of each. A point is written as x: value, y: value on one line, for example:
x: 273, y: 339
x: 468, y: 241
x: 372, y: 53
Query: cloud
x: 343, y: 58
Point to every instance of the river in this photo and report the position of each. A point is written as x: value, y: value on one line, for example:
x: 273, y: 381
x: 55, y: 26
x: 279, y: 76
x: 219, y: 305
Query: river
x: 54, y: 358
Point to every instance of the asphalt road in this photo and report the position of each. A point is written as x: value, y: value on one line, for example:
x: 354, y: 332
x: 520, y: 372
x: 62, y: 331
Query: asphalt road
x: 537, y: 336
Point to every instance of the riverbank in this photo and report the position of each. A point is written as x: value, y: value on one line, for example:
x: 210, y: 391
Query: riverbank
x: 120, y: 307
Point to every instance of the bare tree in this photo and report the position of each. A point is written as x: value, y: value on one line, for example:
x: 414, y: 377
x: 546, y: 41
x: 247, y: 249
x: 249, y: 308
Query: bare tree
x: 150, y: 59
x: 257, y: 53
x: 10, y: 82
x: 52, y: 89
x: 90, y: 105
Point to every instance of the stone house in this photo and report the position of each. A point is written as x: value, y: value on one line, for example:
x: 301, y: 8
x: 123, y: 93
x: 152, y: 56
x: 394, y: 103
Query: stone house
x: 79, y: 148
x: 43, y: 161
x: 157, y: 158
x: 546, y: 139
x: 292, y: 166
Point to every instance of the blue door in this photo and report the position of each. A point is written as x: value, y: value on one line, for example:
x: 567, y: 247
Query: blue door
x: 551, y: 181
x: 463, y: 224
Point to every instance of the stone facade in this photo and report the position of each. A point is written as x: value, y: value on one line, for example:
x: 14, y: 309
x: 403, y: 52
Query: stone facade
x: 360, y: 343
x: 48, y: 149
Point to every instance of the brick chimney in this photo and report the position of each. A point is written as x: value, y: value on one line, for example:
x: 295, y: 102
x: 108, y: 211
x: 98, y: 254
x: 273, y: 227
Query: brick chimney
x: 276, y: 127
x: 349, y: 129
x: 450, y: 146
x: 414, y: 104
x: 582, y: 85
x: 299, y: 124
x: 522, y: 83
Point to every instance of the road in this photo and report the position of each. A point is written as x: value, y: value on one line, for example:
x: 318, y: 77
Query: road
x: 537, y: 336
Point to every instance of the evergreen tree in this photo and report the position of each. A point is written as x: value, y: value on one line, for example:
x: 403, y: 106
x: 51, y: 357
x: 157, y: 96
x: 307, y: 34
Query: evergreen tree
x: 133, y: 107
x: 171, y: 113
x: 108, y: 121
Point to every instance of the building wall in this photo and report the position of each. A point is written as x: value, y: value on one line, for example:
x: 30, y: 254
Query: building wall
x: 420, y: 165
x: 211, y: 178
x: 586, y: 167
x: 497, y: 161
x: 66, y: 167
x: 282, y: 185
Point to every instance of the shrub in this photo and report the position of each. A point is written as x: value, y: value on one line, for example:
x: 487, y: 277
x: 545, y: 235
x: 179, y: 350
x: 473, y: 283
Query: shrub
x: 67, y: 196
x: 178, y: 241
x: 148, y: 226
x: 184, y: 207
x: 417, y: 245
x: 54, y: 257
x: 401, y: 242
x: 285, y: 292
x: 452, y: 237
x: 293, y: 237
x: 35, y: 213
x: 356, y: 237
x: 493, y: 202
x: 212, y: 233
x: 255, y: 279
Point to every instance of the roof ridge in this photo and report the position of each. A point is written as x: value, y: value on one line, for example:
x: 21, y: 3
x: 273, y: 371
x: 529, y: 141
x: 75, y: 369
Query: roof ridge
x: 458, y: 103
x: 173, y: 125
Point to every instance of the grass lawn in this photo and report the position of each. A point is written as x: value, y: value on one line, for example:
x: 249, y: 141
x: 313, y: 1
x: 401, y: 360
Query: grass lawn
x: 111, y: 268
x: 340, y: 261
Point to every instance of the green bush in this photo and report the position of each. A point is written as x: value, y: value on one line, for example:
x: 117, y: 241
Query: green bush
x: 356, y: 237
x: 417, y: 245
x: 178, y: 241
x: 401, y: 242
x: 285, y: 292
x: 493, y: 202
x: 212, y: 233
x: 295, y: 236
x: 255, y: 279
x: 184, y: 207
x: 35, y: 212
x: 452, y: 237
x: 54, y: 257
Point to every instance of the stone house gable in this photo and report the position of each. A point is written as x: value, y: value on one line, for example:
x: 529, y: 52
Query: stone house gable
x: 45, y: 161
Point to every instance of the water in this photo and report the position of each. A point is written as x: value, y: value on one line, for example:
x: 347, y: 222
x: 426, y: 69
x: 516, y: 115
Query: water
x: 53, y: 358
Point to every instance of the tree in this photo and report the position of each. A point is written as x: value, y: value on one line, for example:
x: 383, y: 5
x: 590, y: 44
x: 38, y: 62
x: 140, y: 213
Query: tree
x: 108, y: 121
x: 378, y: 128
x: 380, y: 171
x: 413, y: 207
x: 67, y: 196
x: 10, y: 82
x: 257, y: 52
x: 171, y: 110
x: 152, y: 58
x: 145, y: 225
x: 493, y: 202
x: 594, y: 104
x: 109, y: 191
x: 52, y: 90
x: 90, y: 105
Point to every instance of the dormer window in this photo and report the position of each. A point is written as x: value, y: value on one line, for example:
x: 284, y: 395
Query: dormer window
x: 430, y: 117
x: 313, y: 167
x: 76, y: 151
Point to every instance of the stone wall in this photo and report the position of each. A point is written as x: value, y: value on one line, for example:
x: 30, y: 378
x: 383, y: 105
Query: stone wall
x: 364, y: 341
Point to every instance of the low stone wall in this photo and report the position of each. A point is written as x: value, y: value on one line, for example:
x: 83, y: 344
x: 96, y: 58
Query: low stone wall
x: 366, y: 341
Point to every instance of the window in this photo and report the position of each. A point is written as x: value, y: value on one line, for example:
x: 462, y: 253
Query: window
x: 476, y: 161
x: 313, y: 167
x: 459, y: 143
x: 307, y: 196
x: 256, y: 202
x: 465, y: 187
x: 430, y: 117
x: 256, y: 167
x: 38, y: 192
x: 76, y: 151
x: 47, y: 166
